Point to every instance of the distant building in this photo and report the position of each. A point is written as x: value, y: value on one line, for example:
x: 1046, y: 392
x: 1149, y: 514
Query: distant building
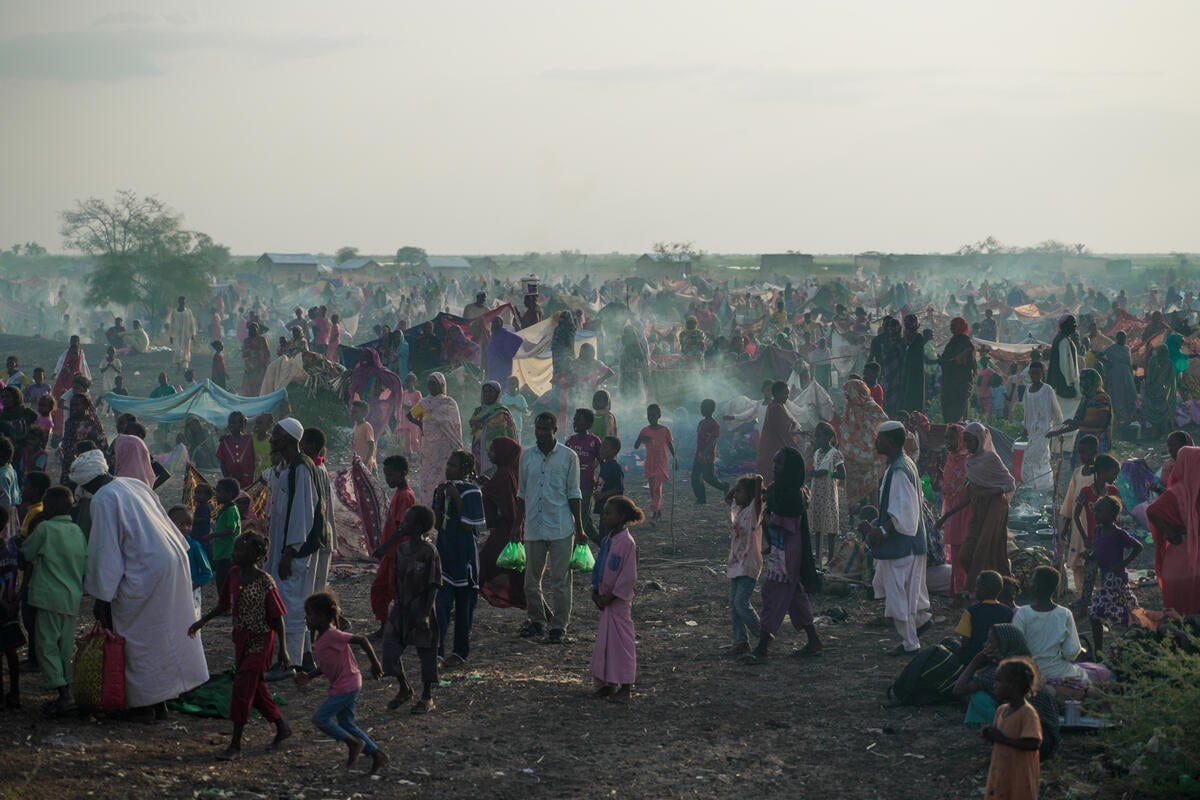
x: 785, y: 262
x: 453, y: 266
x: 669, y: 265
x: 483, y: 264
x: 358, y: 270
x: 289, y: 266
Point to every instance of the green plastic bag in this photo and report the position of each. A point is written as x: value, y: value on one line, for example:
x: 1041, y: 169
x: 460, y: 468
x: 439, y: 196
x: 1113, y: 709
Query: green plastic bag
x: 582, y: 559
x: 512, y: 556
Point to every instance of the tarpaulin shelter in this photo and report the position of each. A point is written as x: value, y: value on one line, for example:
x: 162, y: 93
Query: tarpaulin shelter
x: 205, y: 400
x: 442, y: 322
x: 532, y: 364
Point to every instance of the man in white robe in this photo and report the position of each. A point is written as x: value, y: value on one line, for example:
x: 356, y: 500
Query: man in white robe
x: 287, y: 560
x: 181, y: 327
x: 898, y: 542
x: 138, y: 565
x: 1042, y: 415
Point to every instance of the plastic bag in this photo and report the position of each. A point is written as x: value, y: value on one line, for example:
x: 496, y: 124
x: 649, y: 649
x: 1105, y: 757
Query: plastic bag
x: 582, y: 559
x: 100, y: 670
x: 512, y: 556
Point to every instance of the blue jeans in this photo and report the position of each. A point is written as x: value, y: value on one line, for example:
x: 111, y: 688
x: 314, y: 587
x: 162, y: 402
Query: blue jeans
x: 742, y: 614
x: 461, y: 600
x: 336, y: 718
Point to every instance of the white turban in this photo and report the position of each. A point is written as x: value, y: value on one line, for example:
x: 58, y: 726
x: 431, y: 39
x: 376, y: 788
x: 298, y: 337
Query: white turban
x: 88, y: 466
x: 890, y: 425
x: 292, y: 427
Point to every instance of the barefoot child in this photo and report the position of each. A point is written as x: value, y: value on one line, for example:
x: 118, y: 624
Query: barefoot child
x: 1114, y: 600
x: 824, y: 513
x: 745, y: 560
x: 659, y: 452
x: 58, y: 548
x: 614, y: 661
x: 331, y: 648
x: 708, y: 433
x: 257, y: 627
x: 226, y: 528
x: 1015, y: 734
x: 412, y: 621
x: 363, y: 434
x: 383, y: 587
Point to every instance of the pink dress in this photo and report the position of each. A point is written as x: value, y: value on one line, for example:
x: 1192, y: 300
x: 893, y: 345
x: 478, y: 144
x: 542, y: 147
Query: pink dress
x: 615, y: 658
x: 335, y: 341
x: 410, y: 434
x: 658, y: 462
x: 954, y: 532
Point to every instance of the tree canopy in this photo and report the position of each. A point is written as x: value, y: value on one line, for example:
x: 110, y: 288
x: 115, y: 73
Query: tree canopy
x: 409, y: 255
x: 144, y: 254
x: 344, y: 254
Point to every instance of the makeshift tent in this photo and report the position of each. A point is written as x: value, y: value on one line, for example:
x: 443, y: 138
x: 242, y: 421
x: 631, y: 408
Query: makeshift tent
x: 205, y: 400
x: 532, y: 364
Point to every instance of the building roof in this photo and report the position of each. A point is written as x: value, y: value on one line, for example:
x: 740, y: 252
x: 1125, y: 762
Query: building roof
x: 357, y: 263
x: 290, y: 259
x: 447, y: 262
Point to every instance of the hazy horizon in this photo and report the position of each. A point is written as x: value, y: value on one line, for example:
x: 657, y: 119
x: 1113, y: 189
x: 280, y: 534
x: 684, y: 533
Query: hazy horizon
x: 535, y: 126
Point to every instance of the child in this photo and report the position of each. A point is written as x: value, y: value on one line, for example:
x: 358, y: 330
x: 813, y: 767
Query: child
x: 977, y: 621
x: 59, y: 549
x: 119, y: 386
x: 39, y: 387
x: 202, y: 517
x: 363, y: 436
x: 1087, y: 447
x: 1015, y: 734
x: 824, y: 513
x: 331, y: 647
x: 587, y: 446
x: 1012, y: 390
x: 614, y: 660
x: 708, y: 432
x: 201, y: 570
x: 412, y: 621
x: 11, y: 635
x: 219, y: 372
x: 745, y: 560
x: 458, y: 508
x: 335, y: 338
x: 983, y: 383
x: 261, y: 441
x: 383, y: 587
x: 45, y: 410
x: 996, y: 390
x: 226, y: 529
x: 605, y: 423
x: 249, y: 522
x: 110, y: 368
x: 1106, y: 468
x: 34, y: 455
x: 870, y: 376
x: 1113, y: 602
x: 258, y: 613
x: 657, y: 439
x: 610, y: 480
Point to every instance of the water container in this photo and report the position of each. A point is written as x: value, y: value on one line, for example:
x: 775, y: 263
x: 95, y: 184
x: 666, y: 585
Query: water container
x: 1018, y: 458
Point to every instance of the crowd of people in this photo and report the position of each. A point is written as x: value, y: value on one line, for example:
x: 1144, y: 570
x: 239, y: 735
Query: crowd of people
x: 872, y: 418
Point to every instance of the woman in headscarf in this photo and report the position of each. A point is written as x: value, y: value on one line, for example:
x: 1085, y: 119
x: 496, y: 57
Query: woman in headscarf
x: 1175, y: 522
x: 890, y: 357
x: 954, y: 495
x: 1159, y: 397
x: 989, y: 487
x: 634, y: 367
x: 912, y: 394
x: 860, y: 419
x: 256, y: 355
x: 378, y: 387
x: 977, y: 682
x: 788, y: 564
x: 1094, y: 414
x: 958, y: 371
x: 438, y: 418
x: 460, y: 349
x: 490, y: 421
x: 779, y: 429
x: 83, y: 425
x: 503, y: 588
x: 1118, y: 364
x: 691, y: 343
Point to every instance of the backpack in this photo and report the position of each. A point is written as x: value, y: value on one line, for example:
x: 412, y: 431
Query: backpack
x: 930, y: 677
x: 318, y: 535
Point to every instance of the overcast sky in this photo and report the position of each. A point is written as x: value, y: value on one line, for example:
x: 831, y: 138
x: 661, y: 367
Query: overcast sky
x: 476, y: 127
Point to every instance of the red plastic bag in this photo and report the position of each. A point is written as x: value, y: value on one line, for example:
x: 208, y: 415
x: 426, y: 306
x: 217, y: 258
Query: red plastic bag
x: 100, y: 670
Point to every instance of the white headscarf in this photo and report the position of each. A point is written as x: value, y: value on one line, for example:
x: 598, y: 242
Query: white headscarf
x: 88, y: 466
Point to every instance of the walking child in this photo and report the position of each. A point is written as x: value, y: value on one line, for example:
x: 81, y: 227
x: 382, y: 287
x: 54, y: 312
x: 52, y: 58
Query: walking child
x: 412, y: 620
x: 824, y: 511
x: 363, y: 435
x: 59, y: 549
x: 745, y: 560
x: 659, y: 452
x: 1114, y: 601
x: 226, y: 528
x: 219, y: 372
x: 458, y: 508
x: 1015, y: 734
x: 605, y: 423
x: 334, y: 656
x: 708, y: 433
x: 614, y: 660
x: 383, y: 588
x: 610, y: 480
x: 258, y: 611
x: 1105, y: 471
x: 587, y: 446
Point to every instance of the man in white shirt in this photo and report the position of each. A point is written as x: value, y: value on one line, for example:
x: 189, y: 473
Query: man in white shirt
x: 898, y: 541
x: 549, y: 512
x: 181, y: 325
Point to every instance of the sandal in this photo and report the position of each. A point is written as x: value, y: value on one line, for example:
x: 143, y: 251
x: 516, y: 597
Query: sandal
x: 423, y: 706
x: 402, y: 697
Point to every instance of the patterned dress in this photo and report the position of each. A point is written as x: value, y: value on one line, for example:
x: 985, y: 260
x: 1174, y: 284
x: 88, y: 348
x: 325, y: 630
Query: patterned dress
x: 824, y: 517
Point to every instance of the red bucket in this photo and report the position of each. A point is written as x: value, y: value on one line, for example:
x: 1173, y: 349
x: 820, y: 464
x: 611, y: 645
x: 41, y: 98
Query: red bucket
x: 1018, y: 458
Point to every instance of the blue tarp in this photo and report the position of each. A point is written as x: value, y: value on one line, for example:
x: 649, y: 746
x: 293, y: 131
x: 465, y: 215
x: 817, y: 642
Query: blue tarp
x: 205, y: 400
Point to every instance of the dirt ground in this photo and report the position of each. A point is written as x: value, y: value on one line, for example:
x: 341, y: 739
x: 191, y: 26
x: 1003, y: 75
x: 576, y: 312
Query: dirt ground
x: 518, y: 721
